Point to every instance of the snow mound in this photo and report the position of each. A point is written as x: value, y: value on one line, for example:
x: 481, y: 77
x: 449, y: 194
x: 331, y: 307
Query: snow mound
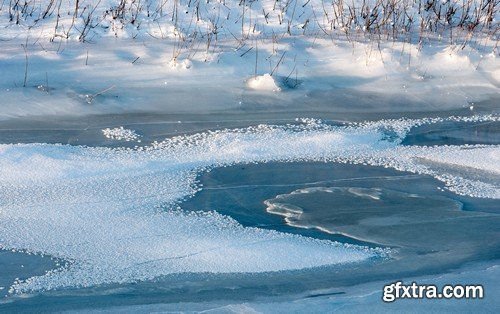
x: 263, y: 83
x: 181, y: 64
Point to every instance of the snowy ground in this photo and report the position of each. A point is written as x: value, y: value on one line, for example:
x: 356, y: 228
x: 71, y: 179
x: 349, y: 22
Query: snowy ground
x: 196, y: 56
x: 83, y: 78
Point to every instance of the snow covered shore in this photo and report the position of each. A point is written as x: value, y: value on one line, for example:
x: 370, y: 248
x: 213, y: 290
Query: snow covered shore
x: 72, y: 58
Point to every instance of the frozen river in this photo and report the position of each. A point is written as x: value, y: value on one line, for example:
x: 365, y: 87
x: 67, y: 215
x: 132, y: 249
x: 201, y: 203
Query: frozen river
x: 263, y: 210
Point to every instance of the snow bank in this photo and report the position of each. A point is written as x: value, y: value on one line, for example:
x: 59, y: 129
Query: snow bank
x: 186, y: 19
x: 156, y: 53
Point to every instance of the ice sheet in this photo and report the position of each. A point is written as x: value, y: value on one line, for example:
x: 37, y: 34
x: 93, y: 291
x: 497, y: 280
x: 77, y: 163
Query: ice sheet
x: 99, y: 207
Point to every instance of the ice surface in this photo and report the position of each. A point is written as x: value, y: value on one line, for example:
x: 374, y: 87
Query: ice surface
x: 454, y: 133
x: 372, y: 214
x: 112, y: 212
x: 360, y: 299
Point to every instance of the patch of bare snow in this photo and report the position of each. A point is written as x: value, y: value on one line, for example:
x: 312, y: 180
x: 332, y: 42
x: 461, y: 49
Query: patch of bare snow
x: 121, y: 134
x: 263, y: 83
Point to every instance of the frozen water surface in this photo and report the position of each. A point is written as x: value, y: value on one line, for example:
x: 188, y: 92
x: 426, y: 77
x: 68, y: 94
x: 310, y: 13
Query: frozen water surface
x: 361, y: 299
x: 123, y: 215
x: 408, y: 212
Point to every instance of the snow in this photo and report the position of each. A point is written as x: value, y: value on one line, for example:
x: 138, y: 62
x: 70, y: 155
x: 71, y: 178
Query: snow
x: 98, y: 208
x: 166, y: 56
x: 120, y: 133
x: 263, y: 83
x: 467, y: 157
